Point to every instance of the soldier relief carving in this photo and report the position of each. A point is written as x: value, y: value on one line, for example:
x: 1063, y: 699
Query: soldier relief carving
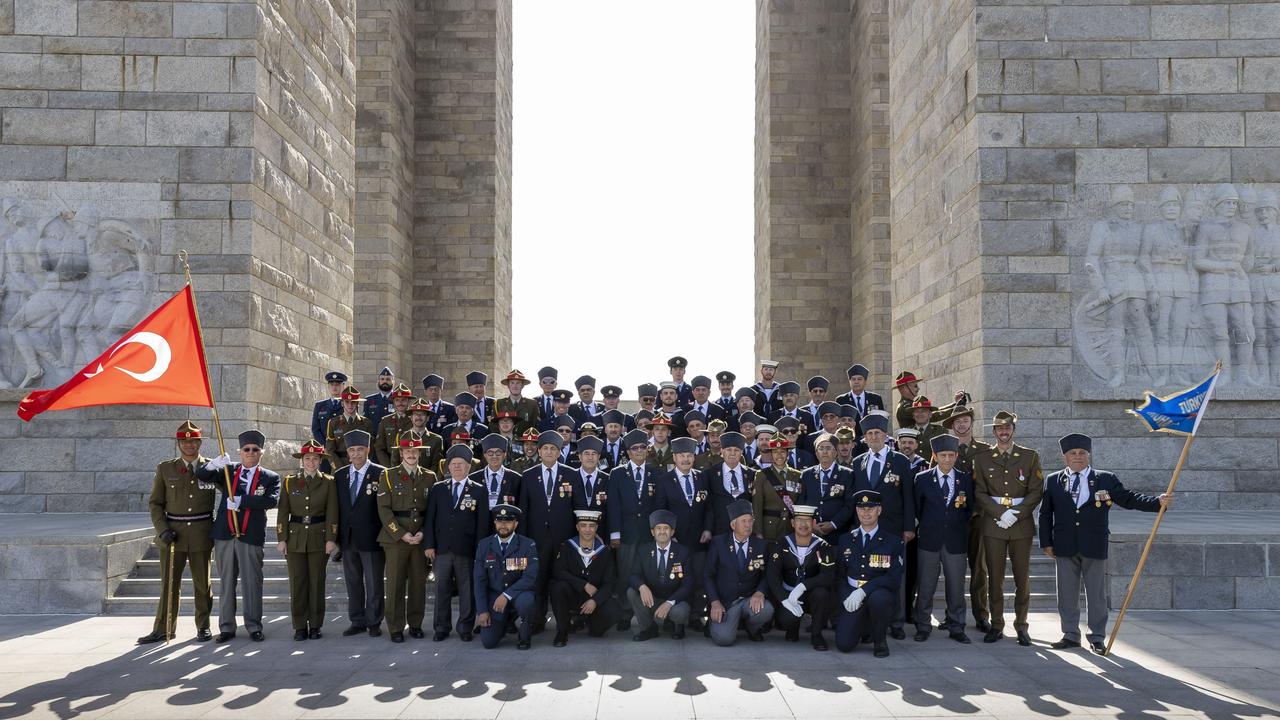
x: 1197, y: 279
x: 72, y: 283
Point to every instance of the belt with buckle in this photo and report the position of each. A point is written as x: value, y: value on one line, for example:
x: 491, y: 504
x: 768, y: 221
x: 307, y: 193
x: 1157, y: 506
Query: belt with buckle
x: 411, y: 515
x: 306, y: 519
x: 1007, y: 501
x: 189, y: 518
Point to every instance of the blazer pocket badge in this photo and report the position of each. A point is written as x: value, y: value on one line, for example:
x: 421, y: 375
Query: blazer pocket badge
x: 1102, y: 496
x: 566, y: 490
x: 961, y: 500
x: 837, y: 490
x: 891, y: 479
x: 700, y: 496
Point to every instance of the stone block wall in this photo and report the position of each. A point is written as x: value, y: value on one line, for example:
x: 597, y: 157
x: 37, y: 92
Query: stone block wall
x: 462, y: 191
x: 804, y: 289
x: 1080, y: 104
x: 1213, y: 573
x: 131, y: 131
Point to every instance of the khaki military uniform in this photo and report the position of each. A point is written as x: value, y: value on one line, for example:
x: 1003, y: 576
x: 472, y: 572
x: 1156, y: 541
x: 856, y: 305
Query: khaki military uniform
x: 335, y: 442
x: 184, y: 505
x: 386, y: 445
x: 307, y: 518
x: 769, y: 502
x: 927, y: 433
x: 520, y: 463
x: 978, y: 599
x: 706, y: 459
x: 432, y: 450
x: 661, y: 458
x: 903, y: 414
x: 1004, y: 481
x: 527, y: 412
x: 402, y: 508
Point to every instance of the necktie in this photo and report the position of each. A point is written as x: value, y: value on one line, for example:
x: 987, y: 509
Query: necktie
x: 547, y: 474
x: 639, y: 482
x: 613, y: 452
x: 457, y: 492
x: 502, y: 548
x: 826, y: 480
x: 355, y: 486
x: 590, y: 486
x: 733, y: 474
x: 688, y: 489
x: 662, y: 562
x: 873, y: 471
x: 1075, y: 488
x: 864, y: 542
x: 742, y: 557
x: 493, y: 483
x: 946, y: 487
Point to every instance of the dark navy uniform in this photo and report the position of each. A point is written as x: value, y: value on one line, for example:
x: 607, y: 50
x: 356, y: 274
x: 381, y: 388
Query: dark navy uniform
x: 509, y: 570
x: 721, y: 496
x: 669, y: 576
x: 453, y: 529
x: 574, y: 568
x: 377, y: 406
x: 549, y: 520
x: 943, y: 507
x: 627, y: 514
x: 873, y: 565
x: 813, y: 566
x: 502, y: 487
x: 831, y: 491
x: 735, y: 572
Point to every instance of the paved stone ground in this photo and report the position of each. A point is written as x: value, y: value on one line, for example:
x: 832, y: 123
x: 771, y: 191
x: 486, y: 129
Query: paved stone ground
x: 1167, y: 664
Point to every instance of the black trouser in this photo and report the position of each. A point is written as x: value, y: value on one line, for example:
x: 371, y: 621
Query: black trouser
x: 566, y: 600
x: 542, y: 585
x: 625, y: 559
x: 815, y: 601
x: 909, y: 573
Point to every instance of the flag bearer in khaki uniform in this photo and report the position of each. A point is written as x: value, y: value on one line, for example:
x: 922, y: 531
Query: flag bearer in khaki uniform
x: 1009, y: 484
x: 307, y: 530
x: 182, y: 513
x: 402, y: 507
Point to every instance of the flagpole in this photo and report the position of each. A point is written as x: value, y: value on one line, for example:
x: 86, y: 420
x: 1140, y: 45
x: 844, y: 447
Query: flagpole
x: 213, y: 402
x: 1155, y: 527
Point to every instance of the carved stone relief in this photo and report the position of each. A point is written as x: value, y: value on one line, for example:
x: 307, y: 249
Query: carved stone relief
x: 71, y: 284
x: 1171, y: 284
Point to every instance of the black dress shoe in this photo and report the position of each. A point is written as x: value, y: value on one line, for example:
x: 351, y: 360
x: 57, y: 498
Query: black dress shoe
x: 353, y: 630
x: 1024, y: 638
x: 898, y: 634
x: 375, y: 631
x: 623, y: 625
x: 397, y: 637
x: 523, y: 645
x: 464, y: 637
x: 257, y: 636
x: 647, y: 634
x: 299, y: 635
x: 706, y: 630
x: 203, y: 635
x: 224, y: 636
x: 696, y: 624
x: 1065, y: 644
x: 992, y: 636
x: 920, y: 636
x: 1098, y: 647
x: 154, y: 637
x: 562, y: 638
x: 416, y: 633
x: 882, y: 650
x: 678, y: 633
x: 960, y: 637
x: 819, y: 642
x: 314, y: 634
x: 983, y: 626
x: 865, y: 639
x: 793, y: 634
x: 440, y: 635
x: 756, y: 635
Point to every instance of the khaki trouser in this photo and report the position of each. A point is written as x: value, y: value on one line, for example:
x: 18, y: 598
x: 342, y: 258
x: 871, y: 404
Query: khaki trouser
x: 199, y: 561
x: 1018, y: 552
x: 406, y: 576
x: 306, y: 588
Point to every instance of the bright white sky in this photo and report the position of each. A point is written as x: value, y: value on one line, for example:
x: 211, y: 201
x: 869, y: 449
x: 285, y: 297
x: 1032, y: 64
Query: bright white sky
x: 632, y: 189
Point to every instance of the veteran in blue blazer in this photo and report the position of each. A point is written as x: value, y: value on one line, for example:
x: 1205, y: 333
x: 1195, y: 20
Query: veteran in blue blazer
x: 1074, y: 528
x: 503, y: 578
x: 944, y: 502
x: 735, y: 580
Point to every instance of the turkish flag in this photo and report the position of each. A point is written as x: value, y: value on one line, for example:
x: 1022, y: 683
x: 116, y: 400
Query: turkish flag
x: 158, y: 362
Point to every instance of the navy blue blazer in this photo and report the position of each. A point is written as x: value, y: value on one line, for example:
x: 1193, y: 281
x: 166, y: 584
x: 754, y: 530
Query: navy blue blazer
x: 508, y: 484
x: 836, y: 505
x: 508, y: 574
x: 628, y: 514
x: 879, y: 567
x: 691, y: 520
x: 724, y: 579
x: 377, y: 406
x: 941, y: 524
x: 477, y: 430
x: 898, y: 511
x: 720, y: 497
x: 1084, y: 531
x: 612, y: 460
x: 320, y: 415
x: 457, y: 528
x: 359, y: 524
x: 255, y: 501
x: 581, y: 413
x: 550, y: 524
x: 645, y: 572
x: 445, y: 415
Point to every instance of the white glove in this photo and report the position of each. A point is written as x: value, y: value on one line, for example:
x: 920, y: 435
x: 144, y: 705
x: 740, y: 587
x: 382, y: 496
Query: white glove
x: 854, y: 601
x: 1009, y: 517
x: 793, y: 607
x: 233, y: 502
x: 796, y: 592
x: 219, y: 462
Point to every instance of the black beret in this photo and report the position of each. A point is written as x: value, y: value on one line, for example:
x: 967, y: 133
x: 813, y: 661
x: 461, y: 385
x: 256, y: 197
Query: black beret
x: 732, y: 440
x: 694, y: 416
x: 585, y: 380
x: 817, y: 381
x: 253, y: 437
x: 550, y: 437
x: 945, y: 443
x: 477, y: 378
x: 1074, y: 441
x: 701, y: 381
x: 635, y: 437
x: 614, y: 416
x: 875, y: 422
x: 789, y: 387
x: 432, y: 380
x: 459, y: 451
x: 682, y: 445
x: 857, y: 369
x: 548, y: 372
x: 829, y: 407
x: 465, y: 398
x: 590, y: 442
x: 493, y: 441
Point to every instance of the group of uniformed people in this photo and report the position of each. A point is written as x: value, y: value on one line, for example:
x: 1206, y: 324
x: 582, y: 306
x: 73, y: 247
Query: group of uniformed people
x: 746, y: 512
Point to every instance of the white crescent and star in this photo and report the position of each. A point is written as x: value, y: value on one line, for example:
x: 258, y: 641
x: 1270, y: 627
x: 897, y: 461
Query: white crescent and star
x: 158, y: 345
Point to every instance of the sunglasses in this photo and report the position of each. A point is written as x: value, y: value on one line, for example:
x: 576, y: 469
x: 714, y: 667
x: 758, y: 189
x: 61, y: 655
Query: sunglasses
x: 250, y: 449
x: 791, y: 432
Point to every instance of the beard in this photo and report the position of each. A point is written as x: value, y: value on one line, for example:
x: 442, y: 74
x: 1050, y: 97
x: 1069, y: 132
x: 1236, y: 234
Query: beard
x: 384, y: 387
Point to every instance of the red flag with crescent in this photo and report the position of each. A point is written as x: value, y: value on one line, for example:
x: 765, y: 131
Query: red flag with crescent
x: 159, y: 362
